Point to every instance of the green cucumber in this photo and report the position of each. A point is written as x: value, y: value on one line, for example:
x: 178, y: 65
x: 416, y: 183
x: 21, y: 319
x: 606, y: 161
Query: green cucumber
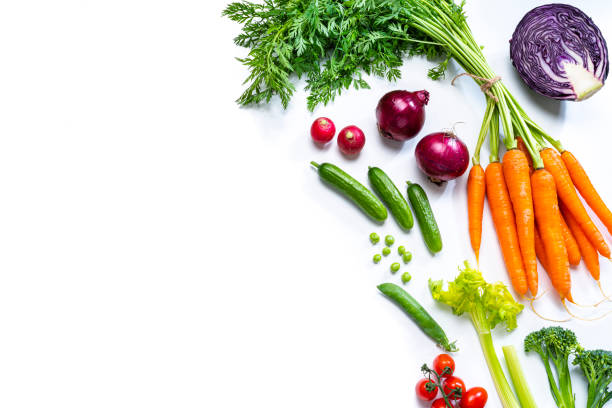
x: 425, y: 218
x: 352, y: 189
x: 390, y: 195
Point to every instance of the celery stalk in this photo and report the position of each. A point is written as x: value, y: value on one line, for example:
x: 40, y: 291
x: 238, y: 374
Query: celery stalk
x: 518, y: 379
x: 504, y: 391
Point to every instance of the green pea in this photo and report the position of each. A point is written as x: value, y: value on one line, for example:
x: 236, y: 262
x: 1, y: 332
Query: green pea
x: 376, y: 258
x: 389, y: 240
x: 386, y: 251
x: 406, y: 277
x: 407, y: 256
x: 401, y: 250
x: 395, y: 267
x: 374, y: 238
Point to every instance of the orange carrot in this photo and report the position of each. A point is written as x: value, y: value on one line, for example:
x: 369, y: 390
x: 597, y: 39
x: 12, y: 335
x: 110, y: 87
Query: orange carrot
x: 567, y: 194
x: 547, y: 217
x: 505, y: 226
x: 539, y: 248
x: 586, y: 189
x: 476, y: 195
x: 573, y: 251
x: 587, y: 250
x: 516, y: 175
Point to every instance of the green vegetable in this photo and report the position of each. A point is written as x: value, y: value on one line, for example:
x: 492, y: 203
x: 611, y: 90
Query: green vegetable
x: 407, y: 257
x: 329, y: 42
x: 401, y: 250
x: 425, y: 217
x: 374, y: 238
x: 418, y: 314
x: 596, y: 366
x: 390, y: 195
x: 376, y: 258
x: 386, y: 251
x: 555, y: 345
x: 518, y: 379
x: 352, y: 189
x: 389, y: 240
x: 487, y: 304
x: 406, y: 277
x: 395, y: 267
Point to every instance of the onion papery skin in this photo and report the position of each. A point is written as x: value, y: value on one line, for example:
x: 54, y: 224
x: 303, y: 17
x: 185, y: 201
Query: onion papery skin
x: 442, y: 156
x: 559, y: 52
x: 401, y: 114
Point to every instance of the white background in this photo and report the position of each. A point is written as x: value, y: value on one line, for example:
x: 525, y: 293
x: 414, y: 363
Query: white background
x: 161, y: 247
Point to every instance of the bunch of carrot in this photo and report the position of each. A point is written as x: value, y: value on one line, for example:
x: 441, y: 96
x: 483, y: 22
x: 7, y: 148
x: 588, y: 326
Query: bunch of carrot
x: 535, y: 207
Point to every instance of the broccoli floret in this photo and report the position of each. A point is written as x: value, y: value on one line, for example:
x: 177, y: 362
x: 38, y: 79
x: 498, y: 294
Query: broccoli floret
x: 556, y: 345
x: 596, y: 366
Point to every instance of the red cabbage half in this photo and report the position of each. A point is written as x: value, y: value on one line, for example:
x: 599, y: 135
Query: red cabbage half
x: 559, y: 52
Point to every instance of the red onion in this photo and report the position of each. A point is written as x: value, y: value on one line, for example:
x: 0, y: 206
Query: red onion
x: 401, y: 114
x: 442, y: 156
x: 351, y: 140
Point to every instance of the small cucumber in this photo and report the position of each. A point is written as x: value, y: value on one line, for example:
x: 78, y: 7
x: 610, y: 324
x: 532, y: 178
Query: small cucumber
x: 425, y: 217
x: 352, y: 189
x: 390, y: 195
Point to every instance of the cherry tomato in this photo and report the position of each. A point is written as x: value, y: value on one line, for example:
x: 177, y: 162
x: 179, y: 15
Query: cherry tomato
x: 475, y: 397
x: 423, y: 393
x: 322, y: 130
x: 442, y: 361
x: 439, y: 403
x: 450, y: 384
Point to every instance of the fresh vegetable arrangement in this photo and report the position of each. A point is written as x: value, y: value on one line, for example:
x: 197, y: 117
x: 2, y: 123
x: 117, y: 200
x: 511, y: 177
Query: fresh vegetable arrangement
x: 531, y: 183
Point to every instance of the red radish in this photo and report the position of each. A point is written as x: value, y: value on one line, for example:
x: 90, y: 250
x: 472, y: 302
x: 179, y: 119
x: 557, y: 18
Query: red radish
x: 322, y: 130
x: 401, y: 114
x: 351, y: 140
x: 442, y: 156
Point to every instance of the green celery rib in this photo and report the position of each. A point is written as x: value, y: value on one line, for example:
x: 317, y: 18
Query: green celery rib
x: 507, y: 397
x: 518, y: 379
